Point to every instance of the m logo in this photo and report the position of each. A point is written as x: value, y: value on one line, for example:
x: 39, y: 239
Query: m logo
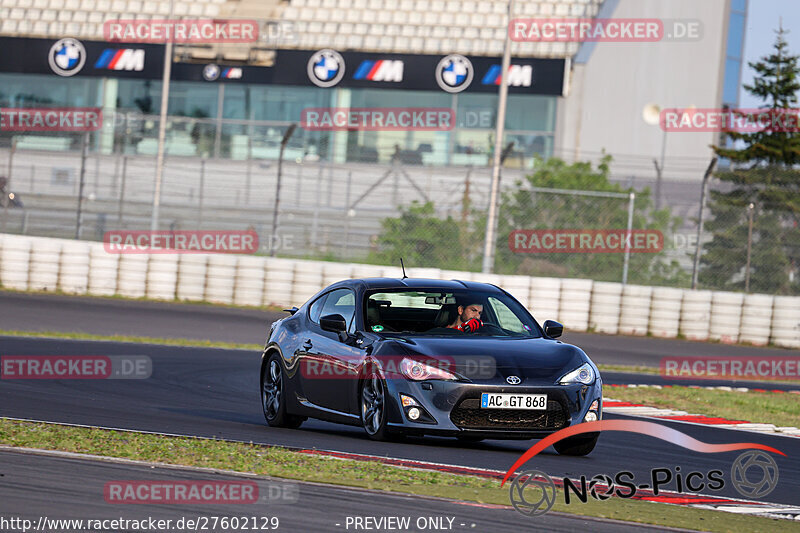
x: 124, y: 59
x: 380, y: 70
x: 518, y: 76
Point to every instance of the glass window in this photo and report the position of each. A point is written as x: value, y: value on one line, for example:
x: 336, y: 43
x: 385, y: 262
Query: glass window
x: 139, y: 95
x: 31, y: 90
x: 739, y: 5
x: 735, y: 35
x: 730, y: 88
x: 315, y: 310
x: 193, y: 99
x: 432, y: 312
x: 341, y: 302
x: 506, y: 318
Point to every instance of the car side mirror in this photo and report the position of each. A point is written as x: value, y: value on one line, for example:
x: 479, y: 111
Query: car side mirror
x: 553, y: 329
x: 334, y: 323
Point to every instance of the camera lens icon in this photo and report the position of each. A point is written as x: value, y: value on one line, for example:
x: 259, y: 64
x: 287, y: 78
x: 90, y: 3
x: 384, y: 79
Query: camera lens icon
x: 532, y: 493
x: 762, y: 477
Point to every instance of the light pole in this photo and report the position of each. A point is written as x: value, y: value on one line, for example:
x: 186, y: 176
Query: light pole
x: 273, y: 234
x: 491, y: 219
x: 652, y: 115
x: 703, y: 190
x: 162, y: 126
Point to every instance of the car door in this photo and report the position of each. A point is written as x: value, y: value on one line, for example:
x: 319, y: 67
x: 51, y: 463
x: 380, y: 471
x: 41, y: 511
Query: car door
x: 331, y: 364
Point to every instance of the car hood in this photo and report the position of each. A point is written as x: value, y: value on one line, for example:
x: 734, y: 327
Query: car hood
x: 540, y: 360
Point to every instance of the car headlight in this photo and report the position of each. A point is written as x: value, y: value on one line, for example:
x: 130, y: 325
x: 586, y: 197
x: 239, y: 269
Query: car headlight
x: 418, y: 371
x: 583, y: 374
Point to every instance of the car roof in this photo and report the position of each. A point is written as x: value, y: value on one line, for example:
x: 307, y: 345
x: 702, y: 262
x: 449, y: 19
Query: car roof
x: 418, y: 283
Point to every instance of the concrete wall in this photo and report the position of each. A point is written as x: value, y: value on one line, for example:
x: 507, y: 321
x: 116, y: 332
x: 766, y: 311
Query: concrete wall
x: 608, y: 93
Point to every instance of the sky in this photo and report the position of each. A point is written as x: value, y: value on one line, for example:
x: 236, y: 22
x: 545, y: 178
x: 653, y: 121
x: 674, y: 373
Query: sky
x: 763, y: 17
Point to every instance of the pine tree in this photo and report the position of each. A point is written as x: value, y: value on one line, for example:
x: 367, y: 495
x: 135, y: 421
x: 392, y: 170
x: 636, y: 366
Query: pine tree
x: 762, y: 171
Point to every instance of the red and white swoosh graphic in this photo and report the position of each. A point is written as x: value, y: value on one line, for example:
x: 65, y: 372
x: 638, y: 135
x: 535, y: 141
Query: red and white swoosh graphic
x: 635, y: 426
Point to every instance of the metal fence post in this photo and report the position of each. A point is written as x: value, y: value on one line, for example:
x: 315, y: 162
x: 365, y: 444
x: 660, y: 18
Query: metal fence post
x: 631, y: 199
x: 749, y: 246
x: 8, y: 181
x: 347, y: 212
x: 84, y: 154
x: 200, y: 193
x: 121, y: 207
x: 703, y: 190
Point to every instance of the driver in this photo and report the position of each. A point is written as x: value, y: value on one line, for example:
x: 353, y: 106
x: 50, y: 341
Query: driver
x: 468, y: 319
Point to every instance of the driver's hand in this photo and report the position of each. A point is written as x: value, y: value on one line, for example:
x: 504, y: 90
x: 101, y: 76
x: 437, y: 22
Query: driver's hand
x: 471, y: 325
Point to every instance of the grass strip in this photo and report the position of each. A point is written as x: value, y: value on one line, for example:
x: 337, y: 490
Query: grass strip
x: 130, y: 338
x: 757, y: 407
x: 282, y: 463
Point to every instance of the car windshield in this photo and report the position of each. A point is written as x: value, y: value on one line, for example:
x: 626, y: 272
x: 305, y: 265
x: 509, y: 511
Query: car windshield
x: 457, y: 313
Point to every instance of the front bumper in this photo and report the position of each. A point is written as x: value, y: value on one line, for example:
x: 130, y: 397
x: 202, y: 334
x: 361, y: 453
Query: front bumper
x: 453, y: 409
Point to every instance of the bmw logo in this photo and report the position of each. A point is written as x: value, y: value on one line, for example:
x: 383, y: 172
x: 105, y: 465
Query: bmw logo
x: 211, y: 72
x: 67, y: 57
x: 513, y: 380
x: 454, y: 73
x: 326, y: 68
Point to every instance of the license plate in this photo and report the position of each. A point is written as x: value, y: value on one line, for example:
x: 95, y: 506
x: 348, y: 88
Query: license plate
x: 513, y: 401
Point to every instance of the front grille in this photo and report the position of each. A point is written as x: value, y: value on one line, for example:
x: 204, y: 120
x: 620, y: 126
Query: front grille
x: 469, y: 415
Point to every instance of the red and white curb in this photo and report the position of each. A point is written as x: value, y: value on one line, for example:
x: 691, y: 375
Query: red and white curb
x: 611, y: 405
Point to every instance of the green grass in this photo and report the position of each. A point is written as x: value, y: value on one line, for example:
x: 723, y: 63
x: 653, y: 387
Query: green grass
x: 131, y: 338
x: 282, y: 463
x: 758, y: 407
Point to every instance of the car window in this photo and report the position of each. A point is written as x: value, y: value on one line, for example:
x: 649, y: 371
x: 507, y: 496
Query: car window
x: 341, y: 302
x: 315, y: 310
x: 506, y: 318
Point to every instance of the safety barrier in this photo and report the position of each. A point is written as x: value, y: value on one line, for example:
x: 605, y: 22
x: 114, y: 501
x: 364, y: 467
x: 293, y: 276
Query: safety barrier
x: 77, y: 267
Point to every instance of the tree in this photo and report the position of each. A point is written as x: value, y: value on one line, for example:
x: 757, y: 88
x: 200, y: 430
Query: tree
x: 761, y: 172
x: 525, y: 208
x: 422, y: 239
x: 425, y: 239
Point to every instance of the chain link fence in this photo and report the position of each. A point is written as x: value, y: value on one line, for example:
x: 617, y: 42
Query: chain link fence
x: 555, y: 220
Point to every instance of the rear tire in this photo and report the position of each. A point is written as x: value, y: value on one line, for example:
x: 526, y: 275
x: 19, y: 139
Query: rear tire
x: 577, y: 446
x: 273, y: 396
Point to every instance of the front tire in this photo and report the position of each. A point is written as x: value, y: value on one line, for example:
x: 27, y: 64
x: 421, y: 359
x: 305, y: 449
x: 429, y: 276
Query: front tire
x: 273, y: 396
x: 577, y: 446
x: 373, y: 407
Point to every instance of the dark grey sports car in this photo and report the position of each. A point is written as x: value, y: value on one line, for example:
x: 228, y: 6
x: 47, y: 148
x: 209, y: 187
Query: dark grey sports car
x: 427, y: 357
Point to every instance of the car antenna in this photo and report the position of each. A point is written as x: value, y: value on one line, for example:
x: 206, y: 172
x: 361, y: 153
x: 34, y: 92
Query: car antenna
x: 403, y: 267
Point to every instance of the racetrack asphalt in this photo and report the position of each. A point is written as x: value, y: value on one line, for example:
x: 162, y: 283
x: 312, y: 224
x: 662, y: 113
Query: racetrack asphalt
x: 38, y: 485
x: 112, y: 316
x: 212, y: 392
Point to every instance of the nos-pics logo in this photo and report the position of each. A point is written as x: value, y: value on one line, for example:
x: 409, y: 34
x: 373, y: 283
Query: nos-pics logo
x: 67, y: 57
